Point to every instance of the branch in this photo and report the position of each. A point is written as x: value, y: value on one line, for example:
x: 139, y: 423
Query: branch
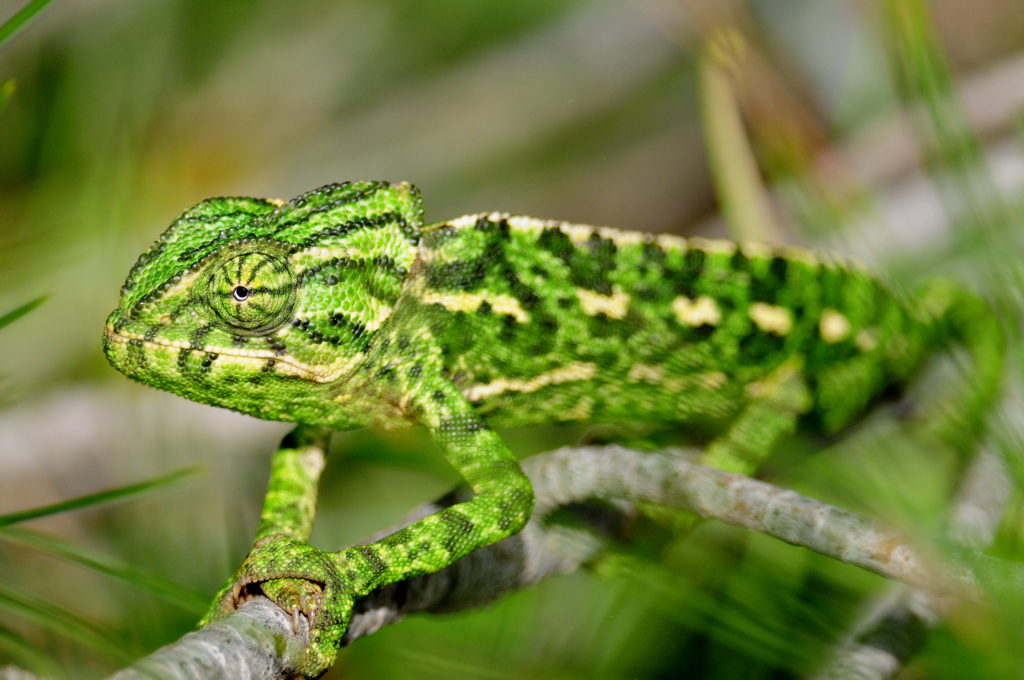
x: 244, y: 644
x: 893, y: 632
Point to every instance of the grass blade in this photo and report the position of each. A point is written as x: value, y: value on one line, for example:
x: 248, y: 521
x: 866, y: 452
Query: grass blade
x: 20, y: 18
x: 6, y: 92
x: 18, y: 312
x: 24, y: 653
x: 87, y: 633
x: 156, y: 585
x: 101, y: 497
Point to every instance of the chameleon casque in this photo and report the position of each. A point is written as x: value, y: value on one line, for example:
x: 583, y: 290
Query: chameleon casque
x: 341, y: 309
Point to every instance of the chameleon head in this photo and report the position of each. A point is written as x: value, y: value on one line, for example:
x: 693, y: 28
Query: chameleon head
x: 262, y: 306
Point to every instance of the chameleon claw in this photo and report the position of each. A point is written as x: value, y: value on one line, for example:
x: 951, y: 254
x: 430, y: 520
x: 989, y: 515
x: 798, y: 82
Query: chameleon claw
x: 301, y: 580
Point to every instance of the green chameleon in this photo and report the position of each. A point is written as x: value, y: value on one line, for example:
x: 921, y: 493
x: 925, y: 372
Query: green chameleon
x: 340, y: 309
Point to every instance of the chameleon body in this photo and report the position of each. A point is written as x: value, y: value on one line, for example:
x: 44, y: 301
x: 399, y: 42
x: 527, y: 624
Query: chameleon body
x: 341, y: 309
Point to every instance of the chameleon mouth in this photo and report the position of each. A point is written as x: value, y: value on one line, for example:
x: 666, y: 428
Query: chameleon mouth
x: 117, y: 343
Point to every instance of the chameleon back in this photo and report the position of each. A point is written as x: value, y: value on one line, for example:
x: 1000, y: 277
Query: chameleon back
x: 545, y: 321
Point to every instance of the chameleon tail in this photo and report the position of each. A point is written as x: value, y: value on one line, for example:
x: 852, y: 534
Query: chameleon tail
x: 959, y: 318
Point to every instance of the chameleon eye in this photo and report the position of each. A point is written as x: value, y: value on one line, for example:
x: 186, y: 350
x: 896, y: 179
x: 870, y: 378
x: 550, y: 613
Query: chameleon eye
x: 259, y: 279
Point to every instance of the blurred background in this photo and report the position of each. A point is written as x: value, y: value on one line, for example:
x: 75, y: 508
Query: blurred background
x: 887, y: 129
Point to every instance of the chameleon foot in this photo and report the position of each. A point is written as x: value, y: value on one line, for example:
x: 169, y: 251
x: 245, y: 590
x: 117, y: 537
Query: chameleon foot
x: 301, y: 580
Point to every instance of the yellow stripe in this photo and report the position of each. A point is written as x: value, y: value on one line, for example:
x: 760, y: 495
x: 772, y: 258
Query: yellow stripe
x: 470, y: 302
x: 571, y: 373
x: 285, y: 365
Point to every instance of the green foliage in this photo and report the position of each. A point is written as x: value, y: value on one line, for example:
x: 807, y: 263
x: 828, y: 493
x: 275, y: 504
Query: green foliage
x: 100, y: 498
x: 20, y: 18
x: 20, y: 311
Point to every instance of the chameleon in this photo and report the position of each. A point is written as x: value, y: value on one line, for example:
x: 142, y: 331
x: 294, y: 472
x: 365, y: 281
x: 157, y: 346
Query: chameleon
x: 342, y: 308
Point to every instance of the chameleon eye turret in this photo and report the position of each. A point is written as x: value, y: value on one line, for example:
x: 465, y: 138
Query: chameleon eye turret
x: 250, y: 293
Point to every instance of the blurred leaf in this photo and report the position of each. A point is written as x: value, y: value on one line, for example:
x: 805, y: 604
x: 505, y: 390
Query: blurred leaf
x: 62, y: 622
x: 737, y: 179
x: 20, y: 18
x: 27, y: 655
x: 101, y: 497
x: 83, y: 557
x: 18, y: 312
x: 6, y: 92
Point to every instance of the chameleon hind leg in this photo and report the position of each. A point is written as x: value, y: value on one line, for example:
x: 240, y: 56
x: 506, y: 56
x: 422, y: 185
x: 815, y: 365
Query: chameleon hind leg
x: 774, y: 404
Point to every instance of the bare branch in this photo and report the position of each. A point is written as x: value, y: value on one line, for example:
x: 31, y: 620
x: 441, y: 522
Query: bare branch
x: 896, y: 628
x: 564, y: 478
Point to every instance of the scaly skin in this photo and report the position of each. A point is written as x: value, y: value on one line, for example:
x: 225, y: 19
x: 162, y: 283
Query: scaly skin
x: 340, y: 309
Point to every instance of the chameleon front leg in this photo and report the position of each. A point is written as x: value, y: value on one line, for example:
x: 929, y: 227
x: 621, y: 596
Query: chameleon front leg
x: 501, y: 506
x: 286, y: 522
x: 324, y: 586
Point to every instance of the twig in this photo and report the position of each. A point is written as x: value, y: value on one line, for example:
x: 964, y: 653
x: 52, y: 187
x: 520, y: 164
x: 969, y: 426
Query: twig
x: 563, y: 478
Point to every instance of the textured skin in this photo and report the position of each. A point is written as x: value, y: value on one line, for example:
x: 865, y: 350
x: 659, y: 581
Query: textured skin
x: 340, y: 309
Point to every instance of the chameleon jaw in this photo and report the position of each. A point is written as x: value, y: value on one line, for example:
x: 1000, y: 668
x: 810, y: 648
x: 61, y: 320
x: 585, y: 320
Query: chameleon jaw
x: 116, y: 347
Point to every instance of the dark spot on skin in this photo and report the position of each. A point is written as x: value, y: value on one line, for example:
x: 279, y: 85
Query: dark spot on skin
x: 765, y: 288
x: 499, y: 227
x: 527, y: 298
x: 739, y: 262
x: 509, y: 326
x: 653, y: 254
x: 601, y: 247
x: 438, y: 396
x: 269, y: 367
x: 415, y: 370
x: 556, y: 242
x: 645, y: 292
x: 778, y: 267
x: 484, y: 309
x: 461, y: 275
x: 606, y: 360
x: 702, y: 332
x: 373, y: 559
x: 198, y: 337
x: 757, y: 345
x: 601, y: 326
x: 693, y: 261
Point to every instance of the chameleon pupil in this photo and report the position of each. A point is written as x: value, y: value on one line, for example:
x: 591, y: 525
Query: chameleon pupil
x: 240, y: 293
